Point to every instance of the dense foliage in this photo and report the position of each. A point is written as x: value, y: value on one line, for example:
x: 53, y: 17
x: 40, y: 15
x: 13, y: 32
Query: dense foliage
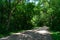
x: 19, y: 15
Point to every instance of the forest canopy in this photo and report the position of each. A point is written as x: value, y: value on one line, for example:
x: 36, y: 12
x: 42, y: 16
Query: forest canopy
x: 16, y: 15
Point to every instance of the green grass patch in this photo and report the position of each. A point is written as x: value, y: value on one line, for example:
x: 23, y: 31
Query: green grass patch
x: 9, y: 33
x: 55, y: 35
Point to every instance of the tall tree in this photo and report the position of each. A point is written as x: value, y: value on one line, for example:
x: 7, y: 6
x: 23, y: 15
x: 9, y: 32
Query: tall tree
x: 11, y: 11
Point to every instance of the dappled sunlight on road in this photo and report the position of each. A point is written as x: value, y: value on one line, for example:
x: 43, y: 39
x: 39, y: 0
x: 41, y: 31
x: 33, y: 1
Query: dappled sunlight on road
x: 43, y: 31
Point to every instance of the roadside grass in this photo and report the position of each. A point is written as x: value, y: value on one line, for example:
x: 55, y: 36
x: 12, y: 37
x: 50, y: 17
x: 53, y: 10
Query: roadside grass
x: 9, y: 33
x: 55, y: 35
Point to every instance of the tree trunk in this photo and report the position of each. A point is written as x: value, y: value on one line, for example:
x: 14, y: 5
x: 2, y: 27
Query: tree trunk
x: 10, y: 12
